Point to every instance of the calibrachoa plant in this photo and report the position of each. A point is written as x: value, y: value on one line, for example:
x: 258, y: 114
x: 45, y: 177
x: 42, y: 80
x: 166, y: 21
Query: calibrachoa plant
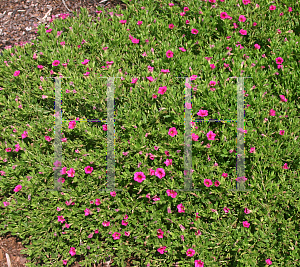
x: 208, y: 41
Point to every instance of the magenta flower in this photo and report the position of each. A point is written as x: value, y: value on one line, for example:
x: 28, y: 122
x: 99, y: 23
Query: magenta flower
x: 190, y: 252
x: 180, y: 208
x: 279, y: 60
x: 202, y: 113
x: 88, y: 169
x: 172, y: 131
x: 247, y: 211
x: 268, y: 261
x: 242, y: 18
x: 217, y: 183
x: 72, y: 124
x: 168, y: 162
x: 207, y: 182
x: 194, y: 31
x: 60, y: 219
x: 116, y: 235
x: 160, y: 173
x: 17, y: 72
x: 272, y: 7
x: 285, y: 166
x: 86, y: 61
x: 226, y: 210
x: 139, y: 177
x: 24, y: 135
x: 71, y: 172
x: 199, y: 263
x: 281, y: 132
x: 169, y: 54
x: 161, y: 250
x: 171, y: 193
x: 243, y: 32
x: 104, y: 127
x: 252, y: 149
x: 212, y: 83
x: 225, y: 174
x: 105, y: 223
x: 18, y: 188
x: 134, y: 80
x: 210, y: 135
x: 72, y: 251
x: 55, y: 62
x: 246, y: 224
x: 195, y: 137
x: 272, y: 112
x: 162, y: 90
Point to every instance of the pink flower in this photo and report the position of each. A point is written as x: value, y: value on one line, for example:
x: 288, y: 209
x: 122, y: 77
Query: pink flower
x: 210, y: 135
x: 24, y: 135
x: 279, y: 60
x: 202, y: 113
x: 195, y: 137
x: 172, y: 131
x: 127, y: 233
x: 88, y: 169
x: 217, y: 183
x: 268, y: 261
x: 60, y: 219
x: 272, y: 112
x: 18, y: 188
x: 212, y: 83
x: 71, y: 172
x: 55, y: 62
x: 226, y: 210
x: 17, y: 73
x: 282, y: 97
x: 194, y: 31
x: 134, y: 80
x: 190, y: 252
x: 63, y: 171
x: 247, y: 211
x: 105, y: 223
x: 207, y: 182
x: 243, y: 32
x: 225, y: 174
x: 272, y: 7
x: 257, y: 46
x: 65, y: 262
x: 72, y: 251
x: 169, y: 54
x: 180, y: 208
x: 171, y: 193
x: 104, y: 127
x: 246, y: 224
x: 86, y: 61
x: 168, y: 162
x: 116, y: 235
x: 167, y: 153
x: 139, y: 177
x: 160, y: 173
x: 72, y: 124
x: 281, y: 132
x: 87, y: 212
x: 162, y: 90
x: 124, y: 223
x: 242, y: 18
x: 160, y: 233
x: 252, y: 149
x: 199, y: 263
x: 285, y: 166
x: 161, y: 250
x: 113, y: 194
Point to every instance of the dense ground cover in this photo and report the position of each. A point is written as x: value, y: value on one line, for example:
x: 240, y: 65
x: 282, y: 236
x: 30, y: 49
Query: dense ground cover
x: 148, y: 46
